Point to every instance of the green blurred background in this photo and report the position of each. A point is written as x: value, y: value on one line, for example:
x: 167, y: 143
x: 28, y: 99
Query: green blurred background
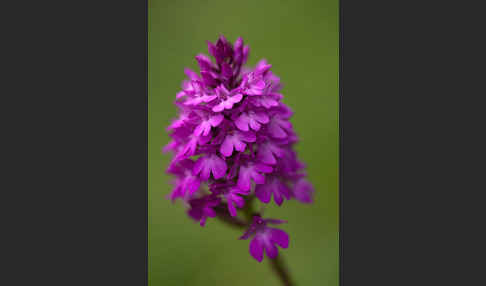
x: 300, y: 39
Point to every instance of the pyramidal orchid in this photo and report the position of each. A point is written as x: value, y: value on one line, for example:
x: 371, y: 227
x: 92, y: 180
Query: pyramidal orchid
x: 233, y: 145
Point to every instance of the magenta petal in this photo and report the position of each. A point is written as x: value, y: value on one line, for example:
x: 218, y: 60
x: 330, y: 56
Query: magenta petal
x: 238, y: 44
x: 258, y: 178
x: 190, y: 148
x: 242, y: 122
x: 231, y: 208
x: 263, y: 168
x: 239, y: 201
x: 268, y: 102
x: 198, y: 168
x: 241, y: 192
x: 169, y: 147
x: 219, y: 107
x: 284, y: 190
x: 254, y: 125
x: 246, y: 51
x: 180, y: 94
x: 205, y: 173
x: 228, y: 104
x: 239, y: 145
x: 191, y: 74
x: 204, y: 139
x: 275, y: 221
x: 279, y: 237
x: 226, y: 71
x: 207, y: 129
x: 276, y: 131
x: 192, y: 185
x: 256, y: 248
x: 248, y: 233
x: 218, y: 167
x: 215, y: 120
x: 259, y: 84
x: 203, y: 128
x: 277, y: 196
x: 210, y: 163
x: 236, y: 98
x: 265, y: 155
x: 247, y: 136
x: 199, y: 129
x: 210, y: 212
x: 244, y: 179
x: 252, y: 119
x: 203, y: 221
x: 303, y: 191
x: 176, y: 192
x: 208, y: 78
x: 204, y: 62
x: 271, y: 250
x: 263, y: 193
x: 261, y: 117
x: 227, y: 146
x: 208, y: 98
x: 221, y: 89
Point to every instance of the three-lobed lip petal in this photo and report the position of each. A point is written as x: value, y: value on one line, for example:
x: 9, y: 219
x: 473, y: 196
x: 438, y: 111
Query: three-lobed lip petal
x: 236, y: 141
x: 265, y: 238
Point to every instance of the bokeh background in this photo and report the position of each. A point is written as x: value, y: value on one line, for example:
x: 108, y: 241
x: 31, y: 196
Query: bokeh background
x: 300, y: 39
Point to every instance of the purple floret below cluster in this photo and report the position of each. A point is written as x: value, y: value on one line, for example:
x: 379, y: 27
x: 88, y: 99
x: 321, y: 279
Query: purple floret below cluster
x: 233, y: 141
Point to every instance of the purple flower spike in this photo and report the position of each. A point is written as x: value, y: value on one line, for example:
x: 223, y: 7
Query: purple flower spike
x: 233, y: 142
x: 265, y: 238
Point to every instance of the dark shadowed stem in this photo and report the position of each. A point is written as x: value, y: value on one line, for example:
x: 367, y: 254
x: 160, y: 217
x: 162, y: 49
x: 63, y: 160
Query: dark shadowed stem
x: 225, y: 217
x: 277, y: 264
x: 280, y: 268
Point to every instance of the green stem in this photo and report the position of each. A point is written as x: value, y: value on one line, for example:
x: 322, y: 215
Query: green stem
x: 280, y: 268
